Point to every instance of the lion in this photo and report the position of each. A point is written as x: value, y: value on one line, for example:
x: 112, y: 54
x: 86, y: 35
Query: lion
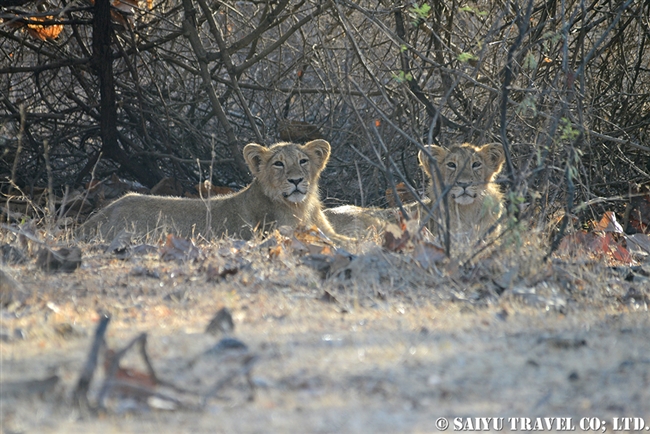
x: 356, y: 221
x: 475, y: 205
x: 474, y: 200
x: 284, y: 192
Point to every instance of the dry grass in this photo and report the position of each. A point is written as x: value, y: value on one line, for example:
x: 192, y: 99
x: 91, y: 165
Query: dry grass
x: 394, y: 347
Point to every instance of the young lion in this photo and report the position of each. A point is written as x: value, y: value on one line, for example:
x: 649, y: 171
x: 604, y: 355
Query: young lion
x: 284, y: 192
x: 474, y: 200
x: 356, y: 221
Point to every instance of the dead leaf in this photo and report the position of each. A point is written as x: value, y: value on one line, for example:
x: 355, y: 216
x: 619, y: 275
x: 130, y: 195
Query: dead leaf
x: 608, y: 223
x: 320, y: 263
x: 65, y: 259
x: 328, y: 265
x: 221, y: 322
x: 68, y: 331
x: 608, y: 245
x: 218, y: 272
x: 599, y: 245
x: 638, y: 244
x: 428, y: 254
x: 403, y: 192
x: 311, y: 235
x: 275, y: 251
x: 120, y: 244
x: 298, y: 247
x: 42, y: 32
x: 638, y: 210
x: 143, y: 383
x: 395, y: 238
x: 179, y: 249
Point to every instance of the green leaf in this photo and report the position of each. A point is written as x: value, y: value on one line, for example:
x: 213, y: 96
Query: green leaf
x: 567, y: 131
x: 419, y: 13
x: 466, y: 57
x: 471, y: 10
x: 530, y: 62
x: 402, y: 77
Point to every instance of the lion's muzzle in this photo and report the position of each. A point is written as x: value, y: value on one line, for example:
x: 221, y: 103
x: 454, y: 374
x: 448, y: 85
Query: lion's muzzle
x: 463, y: 193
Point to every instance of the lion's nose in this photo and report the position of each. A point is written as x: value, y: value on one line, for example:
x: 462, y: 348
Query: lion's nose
x: 464, y: 184
x: 295, y: 181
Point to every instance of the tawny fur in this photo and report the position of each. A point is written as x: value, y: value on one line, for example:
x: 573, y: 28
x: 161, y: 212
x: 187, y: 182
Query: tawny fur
x: 356, y: 221
x: 283, y: 193
x: 474, y: 200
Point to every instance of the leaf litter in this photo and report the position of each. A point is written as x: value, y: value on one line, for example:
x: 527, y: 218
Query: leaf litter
x: 408, y: 273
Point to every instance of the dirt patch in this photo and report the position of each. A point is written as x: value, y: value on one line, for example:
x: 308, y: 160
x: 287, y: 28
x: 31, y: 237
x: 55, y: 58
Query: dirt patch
x: 383, y: 345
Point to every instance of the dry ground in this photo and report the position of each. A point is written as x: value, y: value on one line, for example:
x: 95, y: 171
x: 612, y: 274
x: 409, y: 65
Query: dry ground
x: 391, y: 349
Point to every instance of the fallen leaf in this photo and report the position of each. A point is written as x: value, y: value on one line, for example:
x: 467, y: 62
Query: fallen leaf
x: 275, y: 251
x: 590, y: 242
x: 395, y: 239
x: 428, y: 254
x: 311, y: 235
x: 178, y: 249
x: 120, y: 244
x: 608, y: 223
x: 639, y: 209
x: 143, y: 381
x: 221, y: 322
x: 218, y: 272
x: 638, y: 244
x: 65, y: 259
x: 608, y: 245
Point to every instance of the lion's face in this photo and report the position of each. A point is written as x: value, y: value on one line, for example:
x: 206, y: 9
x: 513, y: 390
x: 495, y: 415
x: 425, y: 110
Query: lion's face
x: 287, y: 171
x: 466, y: 168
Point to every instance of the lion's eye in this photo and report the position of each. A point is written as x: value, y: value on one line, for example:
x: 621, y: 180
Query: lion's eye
x: 476, y: 165
x: 451, y: 165
x: 278, y: 164
x: 304, y: 161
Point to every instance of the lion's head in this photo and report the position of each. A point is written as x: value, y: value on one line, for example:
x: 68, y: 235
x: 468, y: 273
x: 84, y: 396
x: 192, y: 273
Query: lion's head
x: 475, y: 202
x: 287, y: 171
x: 468, y: 169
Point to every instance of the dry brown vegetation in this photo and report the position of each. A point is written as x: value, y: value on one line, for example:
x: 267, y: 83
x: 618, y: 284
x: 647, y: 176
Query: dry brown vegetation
x: 375, y: 341
x: 548, y: 320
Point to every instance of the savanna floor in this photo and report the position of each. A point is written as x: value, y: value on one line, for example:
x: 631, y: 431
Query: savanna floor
x: 379, y: 343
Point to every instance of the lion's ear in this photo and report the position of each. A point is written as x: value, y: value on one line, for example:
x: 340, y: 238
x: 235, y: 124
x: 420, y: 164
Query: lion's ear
x: 493, y: 155
x: 437, y: 152
x: 320, y: 149
x: 254, y: 155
